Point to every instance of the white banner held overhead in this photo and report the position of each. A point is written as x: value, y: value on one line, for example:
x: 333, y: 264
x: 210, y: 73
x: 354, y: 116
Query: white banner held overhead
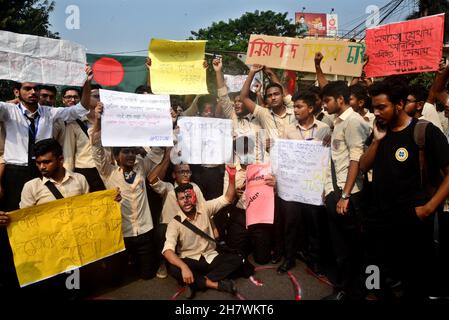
x: 27, y: 58
x: 205, y: 140
x: 300, y: 168
x: 135, y: 120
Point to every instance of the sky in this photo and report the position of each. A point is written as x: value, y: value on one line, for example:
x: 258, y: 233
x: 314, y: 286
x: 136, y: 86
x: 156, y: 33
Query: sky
x: 116, y: 26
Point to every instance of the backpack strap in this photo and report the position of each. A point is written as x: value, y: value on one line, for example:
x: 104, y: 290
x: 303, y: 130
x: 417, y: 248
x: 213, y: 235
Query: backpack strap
x: 419, y: 135
x: 51, y: 186
x: 199, y: 232
x: 82, y: 126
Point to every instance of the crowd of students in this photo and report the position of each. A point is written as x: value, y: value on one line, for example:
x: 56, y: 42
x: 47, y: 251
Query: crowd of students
x: 384, y: 195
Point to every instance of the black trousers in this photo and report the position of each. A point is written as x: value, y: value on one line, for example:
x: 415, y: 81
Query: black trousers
x: 14, y: 179
x: 221, y: 267
x: 159, y: 237
x: 303, y: 226
x: 142, y: 251
x: 346, y: 236
x: 255, y: 239
x: 403, y: 248
x: 93, y: 178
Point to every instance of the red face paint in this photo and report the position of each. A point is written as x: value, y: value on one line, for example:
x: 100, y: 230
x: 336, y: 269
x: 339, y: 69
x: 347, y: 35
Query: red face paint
x: 192, y: 195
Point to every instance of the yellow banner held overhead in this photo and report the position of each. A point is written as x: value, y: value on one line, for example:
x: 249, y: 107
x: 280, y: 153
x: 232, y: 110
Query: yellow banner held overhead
x: 62, y: 235
x: 177, y: 67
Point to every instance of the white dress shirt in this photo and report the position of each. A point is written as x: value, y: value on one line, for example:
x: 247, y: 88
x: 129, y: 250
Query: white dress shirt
x: 17, y: 126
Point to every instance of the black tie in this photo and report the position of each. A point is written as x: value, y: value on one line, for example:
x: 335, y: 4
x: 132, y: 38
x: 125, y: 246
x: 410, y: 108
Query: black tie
x: 31, y: 141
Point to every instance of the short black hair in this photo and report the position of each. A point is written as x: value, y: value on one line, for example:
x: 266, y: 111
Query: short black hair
x: 395, y: 88
x: 64, y: 91
x: 315, y: 90
x: 177, y: 101
x: 308, y: 97
x: 183, y: 188
x: 336, y: 89
x: 272, y: 85
x: 48, y: 145
x: 116, y: 150
x: 143, y: 88
x: 95, y: 86
x: 419, y: 92
x: 252, y: 95
x: 48, y: 88
x: 360, y: 92
x: 16, y: 85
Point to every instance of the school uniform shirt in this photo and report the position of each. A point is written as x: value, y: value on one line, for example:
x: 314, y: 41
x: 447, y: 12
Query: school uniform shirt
x: 347, y: 144
x: 272, y: 122
x: 136, y: 214
x: 188, y: 244
x: 17, y: 126
x: 247, y: 125
x: 77, y: 148
x: 369, y: 117
x: 429, y: 113
x: 318, y: 131
x: 444, y: 123
x: 396, y: 174
x: 35, y: 191
x: 170, y: 207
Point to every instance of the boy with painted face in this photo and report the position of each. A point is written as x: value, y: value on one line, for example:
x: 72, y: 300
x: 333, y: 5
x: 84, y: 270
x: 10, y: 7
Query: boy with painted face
x: 193, y: 258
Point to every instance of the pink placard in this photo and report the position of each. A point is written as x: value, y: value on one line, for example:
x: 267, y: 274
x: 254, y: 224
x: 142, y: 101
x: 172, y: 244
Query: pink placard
x: 259, y: 196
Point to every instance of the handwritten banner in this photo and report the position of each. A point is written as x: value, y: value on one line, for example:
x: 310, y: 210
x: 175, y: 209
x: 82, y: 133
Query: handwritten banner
x: 177, y: 67
x: 27, y: 58
x: 340, y: 57
x: 205, y: 140
x: 405, y: 47
x: 235, y: 83
x: 300, y: 168
x: 134, y: 120
x: 259, y: 198
x: 63, y: 235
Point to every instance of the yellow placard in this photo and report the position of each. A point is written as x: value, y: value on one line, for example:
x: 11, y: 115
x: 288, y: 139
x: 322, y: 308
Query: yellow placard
x: 62, y: 235
x: 177, y: 67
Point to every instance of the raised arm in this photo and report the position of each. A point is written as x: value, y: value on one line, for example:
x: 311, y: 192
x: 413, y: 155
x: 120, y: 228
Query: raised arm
x: 322, y: 81
x: 160, y: 170
x: 437, y: 91
x: 102, y: 162
x: 244, y: 94
x: 85, y: 98
x: 367, y: 159
x: 217, y: 63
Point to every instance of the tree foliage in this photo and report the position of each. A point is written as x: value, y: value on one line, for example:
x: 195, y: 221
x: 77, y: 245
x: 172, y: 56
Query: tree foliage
x: 27, y: 16
x: 431, y: 7
x: 233, y: 36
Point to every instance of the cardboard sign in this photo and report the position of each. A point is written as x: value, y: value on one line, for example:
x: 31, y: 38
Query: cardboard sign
x: 405, y: 47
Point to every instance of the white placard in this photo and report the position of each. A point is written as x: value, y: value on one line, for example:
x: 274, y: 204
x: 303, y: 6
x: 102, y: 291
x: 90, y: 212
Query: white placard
x: 235, y: 83
x: 135, y: 120
x: 300, y: 168
x: 205, y: 140
x: 26, y: 58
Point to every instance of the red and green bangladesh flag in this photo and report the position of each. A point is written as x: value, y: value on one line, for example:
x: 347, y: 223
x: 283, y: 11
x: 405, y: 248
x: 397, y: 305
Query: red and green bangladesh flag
x: 119, y: 73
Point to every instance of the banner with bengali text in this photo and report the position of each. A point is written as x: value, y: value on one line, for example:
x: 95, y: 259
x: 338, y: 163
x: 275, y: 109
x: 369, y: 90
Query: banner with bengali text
x: 340, y: 57
x: 405, y: 47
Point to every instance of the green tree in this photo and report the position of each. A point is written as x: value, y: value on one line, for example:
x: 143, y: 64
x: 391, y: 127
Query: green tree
x: 233, y: 36
x: 28, y: 17
x: 431, y: 7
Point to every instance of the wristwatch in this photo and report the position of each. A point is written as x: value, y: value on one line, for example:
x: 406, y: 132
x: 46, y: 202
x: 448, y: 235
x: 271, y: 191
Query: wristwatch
x: 345, y: 196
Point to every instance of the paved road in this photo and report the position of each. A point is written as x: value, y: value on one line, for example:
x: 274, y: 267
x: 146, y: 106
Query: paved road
x: 275, y: 287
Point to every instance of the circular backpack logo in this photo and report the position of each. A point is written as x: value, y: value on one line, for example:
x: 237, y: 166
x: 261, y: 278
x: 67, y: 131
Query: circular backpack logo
x: 401, y: 154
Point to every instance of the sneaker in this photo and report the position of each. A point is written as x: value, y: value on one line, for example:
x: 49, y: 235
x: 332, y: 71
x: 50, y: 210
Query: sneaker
x: 162, y: 272
x: 286, y: 265
x: 227, y: 286
x: 276, y: 258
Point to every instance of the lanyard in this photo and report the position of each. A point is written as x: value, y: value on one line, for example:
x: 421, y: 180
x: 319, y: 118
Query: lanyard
x: 36, y: 122
x: 311, y: 136
x: 274, y: 120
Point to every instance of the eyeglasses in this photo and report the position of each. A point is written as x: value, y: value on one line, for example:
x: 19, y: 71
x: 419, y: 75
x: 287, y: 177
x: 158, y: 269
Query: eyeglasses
x: 184, y: 172
x: 71, y: 97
